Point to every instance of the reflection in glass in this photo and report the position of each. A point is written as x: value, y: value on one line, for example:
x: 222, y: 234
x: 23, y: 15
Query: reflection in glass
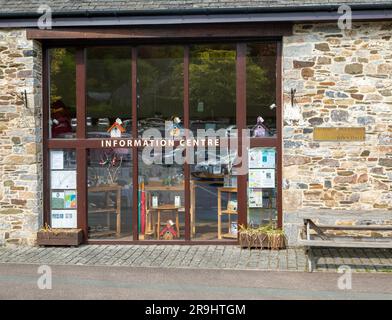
x: 261, y: 88
x: 110, y: 193
x: 262, y: 186
x: 212, y: 72
x: 108, y: 92
x: 161, y: 210
x: 214, y: 195
x: 62, y: 93
x: 160, y: 86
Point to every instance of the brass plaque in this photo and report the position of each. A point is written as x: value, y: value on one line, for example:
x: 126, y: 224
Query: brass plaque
x: 339, y: 134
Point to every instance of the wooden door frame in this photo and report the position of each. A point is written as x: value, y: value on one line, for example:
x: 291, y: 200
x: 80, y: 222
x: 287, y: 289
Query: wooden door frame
x: 81, y: 143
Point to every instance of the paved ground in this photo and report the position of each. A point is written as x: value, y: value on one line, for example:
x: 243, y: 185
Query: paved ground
x: 197, y: 256
x: 92, y: 282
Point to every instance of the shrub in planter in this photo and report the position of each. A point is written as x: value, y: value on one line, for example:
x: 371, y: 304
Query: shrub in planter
x: 262, y: 237
x: 59, y: 237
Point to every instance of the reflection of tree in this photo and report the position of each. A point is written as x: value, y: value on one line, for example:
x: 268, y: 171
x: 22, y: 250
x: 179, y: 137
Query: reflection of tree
x: 62, y: 76
x: 260, y: 84
x: 109, y: 72
x: 160, y: 72
x: 213, y: 81
x: 212, y: 74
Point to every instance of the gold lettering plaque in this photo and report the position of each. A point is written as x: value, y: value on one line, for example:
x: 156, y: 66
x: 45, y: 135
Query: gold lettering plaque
x: 339, y: 134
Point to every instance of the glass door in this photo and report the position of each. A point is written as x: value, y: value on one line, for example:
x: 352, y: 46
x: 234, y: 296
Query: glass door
x: 161, y: 184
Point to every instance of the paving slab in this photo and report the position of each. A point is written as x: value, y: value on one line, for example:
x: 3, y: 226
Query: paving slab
x: 199, y: 256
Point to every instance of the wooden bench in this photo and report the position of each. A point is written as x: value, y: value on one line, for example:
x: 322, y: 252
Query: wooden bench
x: 326, y: 240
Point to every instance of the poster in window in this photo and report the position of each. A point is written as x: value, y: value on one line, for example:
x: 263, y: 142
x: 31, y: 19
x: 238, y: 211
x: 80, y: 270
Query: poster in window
x: 177, y: 201
x: 154, y: 201
x: 70, y: 199
x: 255, y: 198
x: 261, y: 158
x: 262, y: 178
x: 63, y: 179
x: 64, y: 219
x: 57, y: 160
x: 58, y: 200
x: 268, y: 158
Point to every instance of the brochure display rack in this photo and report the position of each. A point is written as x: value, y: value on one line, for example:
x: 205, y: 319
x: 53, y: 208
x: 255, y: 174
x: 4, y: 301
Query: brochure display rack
x: 261, y: 186
x: 63, y: 188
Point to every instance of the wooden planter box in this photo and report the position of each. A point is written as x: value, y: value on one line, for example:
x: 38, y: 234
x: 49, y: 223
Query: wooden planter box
x: 60, y: 237
x: 260, y: 241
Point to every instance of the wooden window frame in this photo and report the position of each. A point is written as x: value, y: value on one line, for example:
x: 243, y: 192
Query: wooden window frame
x: 81, y: 143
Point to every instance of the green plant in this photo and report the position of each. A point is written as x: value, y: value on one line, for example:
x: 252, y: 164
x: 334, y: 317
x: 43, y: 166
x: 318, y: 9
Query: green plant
x: 48, y: 229
x: 263, y: 236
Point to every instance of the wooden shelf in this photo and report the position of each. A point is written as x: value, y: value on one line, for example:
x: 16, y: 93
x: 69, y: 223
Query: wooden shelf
x: 229, y: 235
x: 105, y: 188
x: 229, y: 212
x: 109, y: 208
x: 227, y: 189
x: 99, y: 234
x: 106, y: 210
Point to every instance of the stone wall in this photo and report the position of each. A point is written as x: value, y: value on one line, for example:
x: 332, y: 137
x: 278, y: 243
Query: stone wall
x: 20, y: 138
x: 342, y: 79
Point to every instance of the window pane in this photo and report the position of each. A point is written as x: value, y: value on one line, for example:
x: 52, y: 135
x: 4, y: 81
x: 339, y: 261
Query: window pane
x: 63, y: 197
x: 62, y: 93
x: 214, y: 195
x: 110, y: 193
x: 161, y: 209
x: 109, y: 92
x: 262, y: 186
x: 260, y: 89
x: 160, y: 86
x: 212, y: 84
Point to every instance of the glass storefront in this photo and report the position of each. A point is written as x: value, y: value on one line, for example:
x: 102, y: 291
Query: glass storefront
x: 212, y: 86
x: 160, y: 86
x: 214, y: 194
x: 261, y: 89
x: 109, y: 193
x: 62, y: 97
x: 154, y: 93
x: 108, y: 90
x: 161, y: 210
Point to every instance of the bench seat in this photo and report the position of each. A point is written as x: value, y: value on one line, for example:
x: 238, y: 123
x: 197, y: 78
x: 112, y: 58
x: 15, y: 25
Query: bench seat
x: 327, y: 240
x: 359, y: 228
x: 346, y: 244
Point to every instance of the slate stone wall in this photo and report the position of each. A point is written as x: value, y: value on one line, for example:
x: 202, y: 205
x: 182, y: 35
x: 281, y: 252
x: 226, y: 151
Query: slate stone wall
x: 342, y: 78
x: 20, y: 138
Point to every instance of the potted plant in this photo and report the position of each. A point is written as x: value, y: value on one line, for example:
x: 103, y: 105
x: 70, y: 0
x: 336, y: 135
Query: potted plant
x: 47, y: 236
x: 267, y: 236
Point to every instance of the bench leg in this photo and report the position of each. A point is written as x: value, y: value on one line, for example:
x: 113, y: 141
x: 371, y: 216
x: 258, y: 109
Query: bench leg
x: 311, y: 260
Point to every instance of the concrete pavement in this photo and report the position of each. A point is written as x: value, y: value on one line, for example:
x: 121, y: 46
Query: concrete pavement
x: 199, y: 256
x: 19, y: 281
